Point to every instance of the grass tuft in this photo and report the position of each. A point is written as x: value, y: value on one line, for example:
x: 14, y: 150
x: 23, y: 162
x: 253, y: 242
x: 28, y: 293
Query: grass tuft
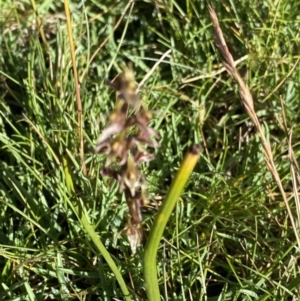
x: 234, y: 233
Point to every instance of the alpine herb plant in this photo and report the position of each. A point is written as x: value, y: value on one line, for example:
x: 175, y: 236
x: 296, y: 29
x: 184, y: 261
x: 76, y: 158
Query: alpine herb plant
x: 125, y: 141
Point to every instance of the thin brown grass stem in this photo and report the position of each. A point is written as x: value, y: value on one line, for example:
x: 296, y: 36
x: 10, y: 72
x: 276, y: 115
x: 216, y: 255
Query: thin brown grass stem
x: 295, y: 180
x: 247, y: 100
x: 77, y: 87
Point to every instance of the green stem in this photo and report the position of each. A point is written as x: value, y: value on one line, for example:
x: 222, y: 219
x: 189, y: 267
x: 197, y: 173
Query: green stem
x: 79, y: 211
x: 95, y: 238
x: 163, y: 215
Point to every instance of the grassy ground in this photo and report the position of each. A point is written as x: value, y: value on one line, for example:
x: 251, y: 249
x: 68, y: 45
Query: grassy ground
x: 230, y: 237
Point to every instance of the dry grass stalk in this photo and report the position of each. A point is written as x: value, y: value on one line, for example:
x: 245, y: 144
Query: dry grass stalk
x: 248, y: 102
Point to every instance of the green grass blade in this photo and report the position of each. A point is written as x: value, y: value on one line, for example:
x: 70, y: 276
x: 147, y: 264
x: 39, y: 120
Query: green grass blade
x: 95, y: 238
x: 80, y: 212
x: 163, y: 215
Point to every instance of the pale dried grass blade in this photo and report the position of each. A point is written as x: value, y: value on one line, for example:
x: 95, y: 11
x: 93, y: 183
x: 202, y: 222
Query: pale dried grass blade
x: 248, y: 102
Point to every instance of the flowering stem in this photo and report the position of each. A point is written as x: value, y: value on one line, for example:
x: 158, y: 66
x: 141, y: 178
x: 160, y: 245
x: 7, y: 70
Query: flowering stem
x: 162, y: 217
